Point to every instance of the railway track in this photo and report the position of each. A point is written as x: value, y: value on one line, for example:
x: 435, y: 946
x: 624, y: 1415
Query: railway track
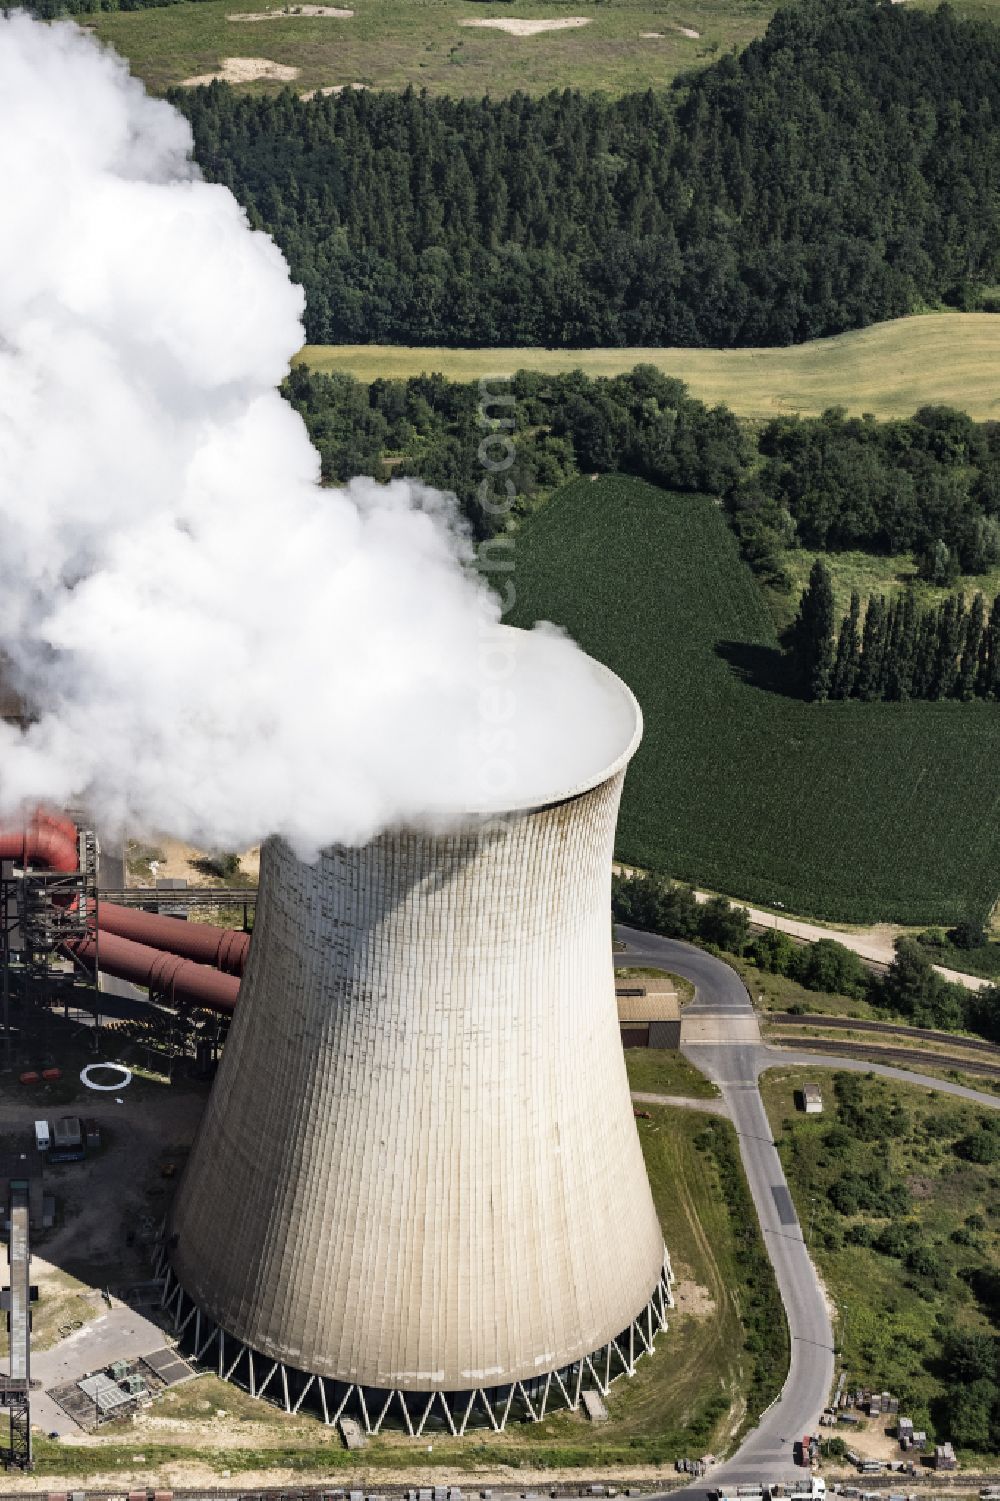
x: 886, y: 1029
x: 912, y: 1058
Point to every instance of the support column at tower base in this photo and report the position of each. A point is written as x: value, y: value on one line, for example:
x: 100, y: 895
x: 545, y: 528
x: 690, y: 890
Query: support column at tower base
x: 209, y: 1347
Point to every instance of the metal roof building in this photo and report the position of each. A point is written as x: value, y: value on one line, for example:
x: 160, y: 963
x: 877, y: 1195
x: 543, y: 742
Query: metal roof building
x: 407, y: 1201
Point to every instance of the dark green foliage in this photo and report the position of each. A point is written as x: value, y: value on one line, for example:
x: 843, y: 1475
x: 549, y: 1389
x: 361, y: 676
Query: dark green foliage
x: 825, y: 966
x: 938, y: 563
x: 971, y: 1362
x: 722, y: 924
x: 866, y: 1116
x: 841, y: 170
x: 830, y: 967
x: 222, y: 866
x: 913, y: 988
x: 950, y: 635
x: 773, y: 951
x: 432, y: 429
x: 944, y: 651
x: 835, y: 482
x: 982, y: 1145
x: 969, y: 933
x: 644, y: 423
x: 655, y: 904
x: 661, y: 906
x: 972, y: 646
x: 873, y: 647
x: 919, y: 1310
x: 847, y: 659
x: 812, y: 635
x: 869, y: 1191
x: 48, y: 10
x: 762, y: 1316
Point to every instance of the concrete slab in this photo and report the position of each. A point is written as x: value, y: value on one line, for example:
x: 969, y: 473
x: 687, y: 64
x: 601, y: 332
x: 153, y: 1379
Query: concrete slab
x: 118, y: 1334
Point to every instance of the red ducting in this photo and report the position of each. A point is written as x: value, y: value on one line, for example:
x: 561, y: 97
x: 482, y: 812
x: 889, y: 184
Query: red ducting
x: 45, y: 839
x: 222, y: 947
x: 173, y: 978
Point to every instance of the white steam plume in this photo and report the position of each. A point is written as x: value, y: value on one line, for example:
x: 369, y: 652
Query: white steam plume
x: 211, y: 644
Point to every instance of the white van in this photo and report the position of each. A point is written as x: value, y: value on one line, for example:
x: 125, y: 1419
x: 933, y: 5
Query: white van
x: 42, y: 1135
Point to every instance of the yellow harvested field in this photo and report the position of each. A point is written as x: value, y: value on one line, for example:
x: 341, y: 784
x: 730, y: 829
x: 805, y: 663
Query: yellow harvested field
x: 889, y: 370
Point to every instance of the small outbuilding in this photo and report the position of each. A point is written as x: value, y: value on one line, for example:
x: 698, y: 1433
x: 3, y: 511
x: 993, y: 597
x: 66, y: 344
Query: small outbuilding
x: 812, y: 1099
x: 649, y: 1012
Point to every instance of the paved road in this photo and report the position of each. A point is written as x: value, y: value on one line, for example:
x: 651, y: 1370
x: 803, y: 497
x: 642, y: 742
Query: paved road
x: 725, y: 1044
x: 779, y: 1057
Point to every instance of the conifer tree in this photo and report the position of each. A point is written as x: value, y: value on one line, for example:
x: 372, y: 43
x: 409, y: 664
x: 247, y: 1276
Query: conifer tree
x: 950, y: 633
x: 900, y: 678
x: 812, y: 634
x: 847, y: 659
x: 991, y: 671
x: 968, y: 670
x: 872, y: 648
x: 983, y: 670
x: 924, y: 653
x: 889, y: 655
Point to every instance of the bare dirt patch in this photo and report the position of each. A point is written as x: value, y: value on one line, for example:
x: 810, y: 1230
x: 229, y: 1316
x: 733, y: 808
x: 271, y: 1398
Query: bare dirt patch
x: 693, y: 1299
x: 330, y: 88
x: 245, y: 70
x: 289, y: 12
x: 530, y: 28
x: 920, y: 1188
x: 161, y: 858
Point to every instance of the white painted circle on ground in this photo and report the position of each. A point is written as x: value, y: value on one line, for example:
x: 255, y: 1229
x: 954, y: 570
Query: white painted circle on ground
x: 123, y: 1080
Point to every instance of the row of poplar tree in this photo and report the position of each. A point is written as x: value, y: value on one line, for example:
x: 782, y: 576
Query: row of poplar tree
x: 894, y: 649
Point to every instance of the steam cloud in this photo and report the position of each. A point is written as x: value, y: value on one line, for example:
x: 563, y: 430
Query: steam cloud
x: 211, y: 644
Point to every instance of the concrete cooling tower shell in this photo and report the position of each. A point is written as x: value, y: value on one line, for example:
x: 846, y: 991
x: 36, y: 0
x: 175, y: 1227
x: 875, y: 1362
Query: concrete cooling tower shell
x: 418, y: 1187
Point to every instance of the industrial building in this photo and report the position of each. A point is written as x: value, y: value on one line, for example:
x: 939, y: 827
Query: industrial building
x: 408, y: 1202
x: 649, y: 1013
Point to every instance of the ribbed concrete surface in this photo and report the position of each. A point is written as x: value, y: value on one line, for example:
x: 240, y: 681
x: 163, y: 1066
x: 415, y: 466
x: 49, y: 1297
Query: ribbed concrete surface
x: 419, y: 1167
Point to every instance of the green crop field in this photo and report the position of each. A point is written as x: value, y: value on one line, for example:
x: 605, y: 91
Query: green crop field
x: 390, y: 43
x: 848, y: 811
x: 889, y: 370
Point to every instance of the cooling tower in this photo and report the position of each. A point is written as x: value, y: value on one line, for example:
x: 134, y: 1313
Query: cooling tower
x: 417, y: 1192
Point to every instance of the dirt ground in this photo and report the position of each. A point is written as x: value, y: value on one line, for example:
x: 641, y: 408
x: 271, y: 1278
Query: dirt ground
x: 161, y: 858
x: 691, y: 1298
x: 331, y: 88
x: 530, y: 28
x: 245, y: 70
x: 289, y: 12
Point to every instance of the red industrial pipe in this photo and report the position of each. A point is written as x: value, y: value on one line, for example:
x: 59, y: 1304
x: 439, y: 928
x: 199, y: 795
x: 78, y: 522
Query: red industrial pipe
x: 176, y: 979
x: 45, y: 839
x: 206, y: 944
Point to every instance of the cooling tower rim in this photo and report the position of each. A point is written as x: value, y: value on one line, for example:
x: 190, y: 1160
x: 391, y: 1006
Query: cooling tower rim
x: 472, y: 819
x: 598, y: 778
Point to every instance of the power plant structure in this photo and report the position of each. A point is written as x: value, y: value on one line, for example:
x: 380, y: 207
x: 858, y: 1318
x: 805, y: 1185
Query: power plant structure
x: 417, y: 1194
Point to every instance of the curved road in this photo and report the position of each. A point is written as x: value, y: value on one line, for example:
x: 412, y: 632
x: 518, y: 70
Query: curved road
x: 723, y: 1041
